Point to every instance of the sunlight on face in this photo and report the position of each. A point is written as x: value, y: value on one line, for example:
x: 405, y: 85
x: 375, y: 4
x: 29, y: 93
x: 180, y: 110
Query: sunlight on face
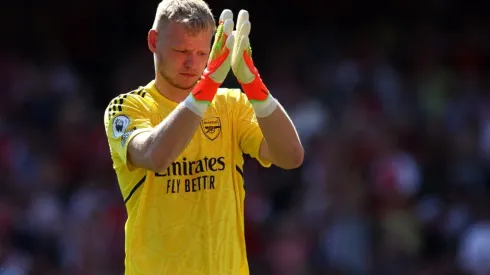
x: 182, y: 55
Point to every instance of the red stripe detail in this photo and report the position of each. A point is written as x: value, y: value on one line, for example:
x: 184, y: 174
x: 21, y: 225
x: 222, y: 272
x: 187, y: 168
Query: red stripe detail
x: 255, y: 90
x: 250, y: 63
x: 214, y: 64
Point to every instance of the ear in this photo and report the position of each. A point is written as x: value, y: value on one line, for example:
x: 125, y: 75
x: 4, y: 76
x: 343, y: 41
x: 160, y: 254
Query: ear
x: 152, y: 40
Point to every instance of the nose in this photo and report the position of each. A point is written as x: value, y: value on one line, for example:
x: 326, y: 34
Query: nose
x: 189, y: 60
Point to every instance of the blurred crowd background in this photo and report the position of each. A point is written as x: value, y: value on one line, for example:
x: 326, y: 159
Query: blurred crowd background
x: 391, y: 99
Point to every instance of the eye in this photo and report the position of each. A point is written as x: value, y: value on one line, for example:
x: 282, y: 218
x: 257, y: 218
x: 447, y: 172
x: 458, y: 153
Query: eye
x: 203, y: 53
x: 180, y: 50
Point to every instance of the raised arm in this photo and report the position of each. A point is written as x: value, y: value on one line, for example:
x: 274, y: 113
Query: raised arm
x: 281, y: 144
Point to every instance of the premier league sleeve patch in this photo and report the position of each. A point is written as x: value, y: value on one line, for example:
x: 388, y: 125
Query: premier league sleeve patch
x: 119, y: 126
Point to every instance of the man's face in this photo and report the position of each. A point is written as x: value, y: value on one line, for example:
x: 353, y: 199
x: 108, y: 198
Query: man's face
x: 182, y: 55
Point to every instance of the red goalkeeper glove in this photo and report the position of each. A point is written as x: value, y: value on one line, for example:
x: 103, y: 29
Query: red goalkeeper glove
x: 245, y: 71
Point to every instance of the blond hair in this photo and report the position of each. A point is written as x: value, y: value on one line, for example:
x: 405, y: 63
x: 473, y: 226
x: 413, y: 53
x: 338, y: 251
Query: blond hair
x: 195, y: 14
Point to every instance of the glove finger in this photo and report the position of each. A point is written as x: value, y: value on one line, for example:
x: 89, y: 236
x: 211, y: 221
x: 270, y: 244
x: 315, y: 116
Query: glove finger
x: 228, y: 26
x: 217, y: 44
x: 223, y: 31
x: 244, y: 44
x: 245, y: 28
x: 230, y: 42
x: 225, y: 15
x: 242, y: 17
x: 243, y: 64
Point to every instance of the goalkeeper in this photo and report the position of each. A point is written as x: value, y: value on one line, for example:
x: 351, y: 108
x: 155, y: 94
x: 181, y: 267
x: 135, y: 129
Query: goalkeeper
x: 177, y: 144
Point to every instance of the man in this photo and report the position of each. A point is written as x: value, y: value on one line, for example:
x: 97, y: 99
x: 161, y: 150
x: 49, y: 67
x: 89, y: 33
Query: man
x: 177, y: 144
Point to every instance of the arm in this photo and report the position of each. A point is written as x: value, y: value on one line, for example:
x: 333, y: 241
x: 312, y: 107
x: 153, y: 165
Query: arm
x: 271, y: 139
x: 135, y: 140
x: 281, y: 144
x: 159, y: 147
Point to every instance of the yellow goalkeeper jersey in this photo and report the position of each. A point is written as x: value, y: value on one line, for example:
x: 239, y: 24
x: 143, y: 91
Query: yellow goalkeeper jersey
x: 189, y: 218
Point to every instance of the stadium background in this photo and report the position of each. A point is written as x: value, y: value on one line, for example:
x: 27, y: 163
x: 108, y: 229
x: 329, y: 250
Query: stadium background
x: 390, y: 98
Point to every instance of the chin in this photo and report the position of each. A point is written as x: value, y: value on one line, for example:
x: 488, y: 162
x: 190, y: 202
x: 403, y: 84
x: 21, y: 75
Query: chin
x: 187, y: 85
x: 184, y: 86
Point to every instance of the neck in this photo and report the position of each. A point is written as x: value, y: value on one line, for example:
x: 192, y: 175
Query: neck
x: 169, y: 91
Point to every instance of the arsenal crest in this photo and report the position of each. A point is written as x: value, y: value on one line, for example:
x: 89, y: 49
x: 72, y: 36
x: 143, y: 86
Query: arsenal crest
x: 211, y: 127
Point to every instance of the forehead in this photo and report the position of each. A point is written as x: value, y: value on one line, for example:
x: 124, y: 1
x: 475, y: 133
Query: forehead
x: 180, y: 34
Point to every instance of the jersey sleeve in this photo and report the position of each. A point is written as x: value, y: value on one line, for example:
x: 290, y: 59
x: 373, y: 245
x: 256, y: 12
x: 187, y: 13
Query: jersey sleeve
x: 249, y: 134
x: 125, y: 117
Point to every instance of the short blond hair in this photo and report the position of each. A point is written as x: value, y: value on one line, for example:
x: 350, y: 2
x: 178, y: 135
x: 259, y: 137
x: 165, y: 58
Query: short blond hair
x: 196, y: 14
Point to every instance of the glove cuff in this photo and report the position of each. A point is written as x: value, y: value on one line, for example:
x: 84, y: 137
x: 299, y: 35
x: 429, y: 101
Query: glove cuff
x: 265, y: 107
x: 196, y: 106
